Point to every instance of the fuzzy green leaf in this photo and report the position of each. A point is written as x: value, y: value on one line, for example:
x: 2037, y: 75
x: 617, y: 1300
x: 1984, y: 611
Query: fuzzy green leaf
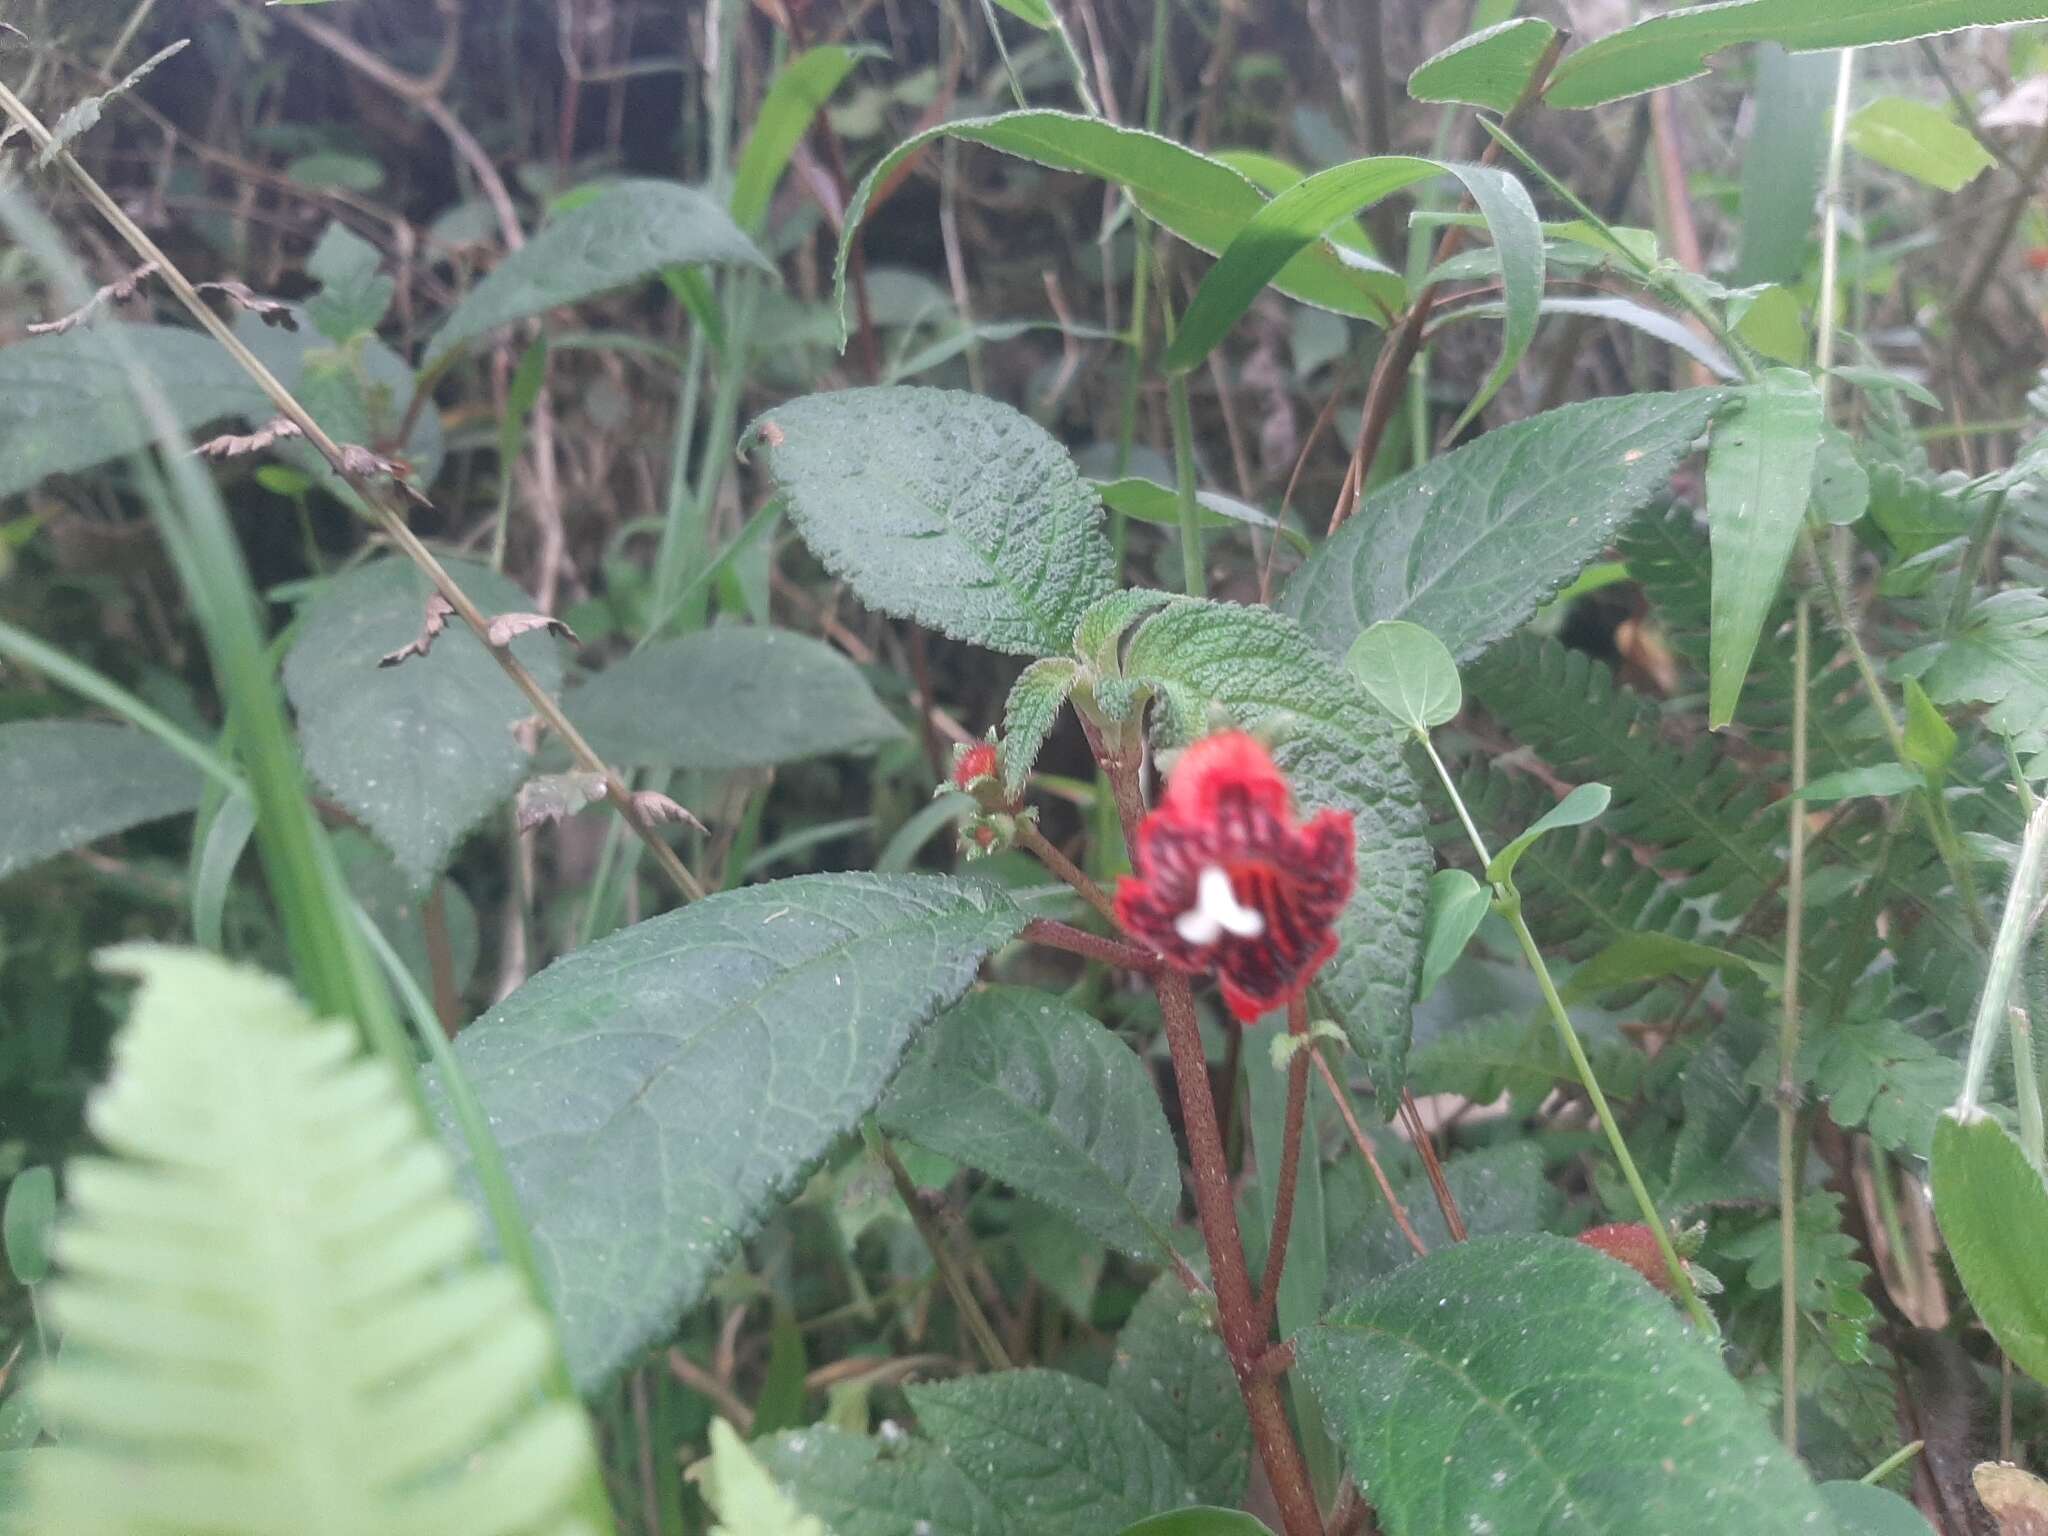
x: 273, y: 1300
x: 1669, y: 48
x: 943, y: 507
x: 656, y: 1092
x: 1057, y: 1454
x: 1201, y: 200
x: 67, y: 783
x: 1500, y: 1191
x: 1409, y: 672
x: 1338, y: 750
x: 1170, y: 1368
x: 1920, y: 140
x: 1490, y: 69
x: 1529, y: 1384
x: 1993, y: 1211
x: 1471, y: 544
x: 736, y: 696
x: 861, y: 1489
x: 625, y: 233
x: 1759, y: 480
x: 422, y: 751
x: 1033, y: 709
x: 1020, y: 1085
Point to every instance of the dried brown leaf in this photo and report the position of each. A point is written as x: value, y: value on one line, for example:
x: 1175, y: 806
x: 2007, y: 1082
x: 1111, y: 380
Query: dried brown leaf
x: 2017, y: 1500
x: 507, y: 627
x: 366, y: 464
x: 438, y: 613
x: 230, y: 446
x: 555, y: 796
x: 269, y: 311
x: 118, y: 292
x: 653, y: 807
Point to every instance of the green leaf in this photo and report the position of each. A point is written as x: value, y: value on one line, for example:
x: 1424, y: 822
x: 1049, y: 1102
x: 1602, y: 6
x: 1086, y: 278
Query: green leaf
x: 1878, y: 1074
x: 1860, y: 1510
x: 1841, y: 485
x: 1645, y: 956
x: 628, y: 232
x: 1528, y: 1384
x: 272, y: 1296
x: 1654, y: 323
x: 860, y: 1489
x: 1295, y: 219
x: 1271, y: 174
x: 743, y: 1496
x: 1500, y: 1190
x: 84, y: 113
x: 657, y: 1091
x: 1030, y: 1089
x: 1666, y: 49
x: 1830, y: 1276
x: 1471, y: 544
x: 1771, y: 321
x: 1037, y: 13
x: 943, y: 507
x: 1930, y: 740
x: 1759, y: 480
x: 354, y: 296
x: 25, y: 1223
x: 1408, y: 671
x: 66, y: 403
x: 1098, y: 637
x: 67, y: 783
x: 1919, y: 140
x: 1150, y: 502
x: 1057, y: 1454
x: 1881, y: 779
x: 735, y: 696
x: 1993, y: 1211
x: 1031, y: 712
x: 1204, y: 1520
x: 1782, y: 163
x: 1490, y: 69
x: 1998, y: 657
x: 1457, y: 905
x: 1574, y: 810
x: 1201, y: 200
x: 1338, y: 750
x: 422, y: 751
x: 801, y: 89
x: 1171, y: 1370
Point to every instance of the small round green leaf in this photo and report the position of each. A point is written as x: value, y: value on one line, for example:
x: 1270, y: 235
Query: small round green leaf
x: 1202, y: 1520
x: 1409, y: 671
x: 1574, y: 810
x: 1861, y: 1510
x: 25, y: 1223
x: 1457, y: 904
x: 1993, y: 1210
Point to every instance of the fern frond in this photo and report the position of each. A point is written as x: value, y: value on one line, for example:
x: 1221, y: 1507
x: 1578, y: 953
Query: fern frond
x: 277, y: 1320
x: 1699, y: 812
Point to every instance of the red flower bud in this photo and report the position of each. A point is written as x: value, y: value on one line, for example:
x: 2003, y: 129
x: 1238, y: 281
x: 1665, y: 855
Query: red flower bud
x: 1635, y: 1245
x: 973, y: 762
x: 1229, y: 882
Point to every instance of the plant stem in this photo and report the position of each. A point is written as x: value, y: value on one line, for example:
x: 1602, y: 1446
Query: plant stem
x: 1433, y: 1168
x: 1892, y: 1463
x: 1078, y: 941
x: 1035, y: 843
x: 1193, y: 565
x: 1788, y: 1037
x: 971, y: 1316
x: 1365, y: 1150
x: 1290, y: 1164
x: 2005, y: 958
x: 390, y: 520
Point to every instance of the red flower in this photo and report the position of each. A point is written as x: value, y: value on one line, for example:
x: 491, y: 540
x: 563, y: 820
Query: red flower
x: 970, y: 763
x: 1635, y: 1245
x: 1229, y: 882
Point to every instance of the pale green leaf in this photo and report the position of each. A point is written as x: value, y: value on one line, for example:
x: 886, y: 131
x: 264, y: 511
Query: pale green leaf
x: 1759, y: 481
x: 742, y: 1495
x: 1150, y: 502
x: 67, y: 783
x: 1878, y: 1074
x: 1171, y: 1369
x: 1338, y: 750
x: 1457, y: 905
x: 1037, y: 13
x: 1031, y: 712
x: 1645, y: 956
x: 1860, y: 1510
x: 1668, y: 48
x: 1201, y: 200
x: 859, y: 1488
x: 1490, y: 69
x: 1529, y: 1384
x: 1993, y: 1211
x: 1471, y: 544
x: 627, y: 232
x: 1654, y: 323
x: 25, y: 1221
x: 1295, y: 219
x: 1999, y: 656
x: 1271, y: 174
x: 85, y: 112
x: 801, y: 87
x: 1919, y: 140
x: 657, y: 1091
x: 354, y: 294
x: 1782, y: 163
x: 1880, y: 779
x: 1204, y: 1520
x: 1057, y: 1454
x: 1770, y: 320
x: 1582, y: 805
x: 1841, y: 485
x: 1930, y: 742
x: 422, y: 751
x: 736, y: 696
x: 1023, y: 1086
x: 1408, y: 671
x: 943, y: 507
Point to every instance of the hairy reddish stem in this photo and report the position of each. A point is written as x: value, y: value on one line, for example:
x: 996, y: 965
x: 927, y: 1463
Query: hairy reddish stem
x: 1290, y: 1167
x: 1035, y: 843
x: 1425, y: 1146
x: 1078, y: 941
x: 1372, y: 1159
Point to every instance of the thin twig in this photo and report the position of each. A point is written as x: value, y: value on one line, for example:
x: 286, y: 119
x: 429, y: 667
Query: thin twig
x: 1788, y: 1032
x: 1035, y: 843
x: 704, y: 1384
x: 1078, y: 941
x: 971, y: 1316
x: 1366, y: 1150
x: 1290, y: 1166
x: 1425, y: 1147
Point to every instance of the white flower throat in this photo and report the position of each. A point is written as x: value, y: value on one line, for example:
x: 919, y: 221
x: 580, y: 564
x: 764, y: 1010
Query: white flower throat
x: 1217, y: 911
